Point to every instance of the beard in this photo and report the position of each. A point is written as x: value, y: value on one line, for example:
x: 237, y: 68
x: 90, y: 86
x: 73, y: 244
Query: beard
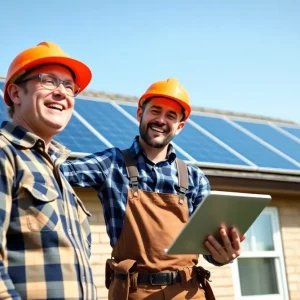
x: 151, y: 141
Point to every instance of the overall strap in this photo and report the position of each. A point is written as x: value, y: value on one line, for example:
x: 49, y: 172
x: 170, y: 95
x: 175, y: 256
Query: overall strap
x: 131, y: 169
x: 183, y: 178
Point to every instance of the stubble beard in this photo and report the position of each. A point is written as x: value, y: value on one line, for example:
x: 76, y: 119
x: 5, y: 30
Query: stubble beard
x: 151, y: 142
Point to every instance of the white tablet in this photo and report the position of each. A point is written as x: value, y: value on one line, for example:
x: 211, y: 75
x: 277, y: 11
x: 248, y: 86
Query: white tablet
x: 232, y: 209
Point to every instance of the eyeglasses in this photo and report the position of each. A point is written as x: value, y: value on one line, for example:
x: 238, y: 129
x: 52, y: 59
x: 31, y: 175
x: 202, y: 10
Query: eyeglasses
x: 52, y: 82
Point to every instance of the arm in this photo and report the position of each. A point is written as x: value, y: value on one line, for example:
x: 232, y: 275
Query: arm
x: 7, y: 288
x: 89, y: 171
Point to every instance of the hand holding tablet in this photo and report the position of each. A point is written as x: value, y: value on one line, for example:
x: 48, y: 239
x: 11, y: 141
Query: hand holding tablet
x: 225, y: 210
x: 229, y: 249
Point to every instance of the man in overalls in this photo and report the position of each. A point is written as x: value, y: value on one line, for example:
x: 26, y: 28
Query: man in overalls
x: 147, y: 196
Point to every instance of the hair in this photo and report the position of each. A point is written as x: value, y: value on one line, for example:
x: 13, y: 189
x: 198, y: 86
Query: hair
x: 11, y: 107
x: 148, y: 100
x: 10, y: 111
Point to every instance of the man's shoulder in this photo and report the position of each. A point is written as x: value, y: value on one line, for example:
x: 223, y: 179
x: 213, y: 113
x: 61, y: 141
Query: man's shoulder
x: 8, y: 152
x: 4, y: 142
x: 196, y: 173
x: 194, y: 169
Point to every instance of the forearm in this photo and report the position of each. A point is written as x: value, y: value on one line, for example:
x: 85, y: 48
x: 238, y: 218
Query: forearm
x: 82, y: 172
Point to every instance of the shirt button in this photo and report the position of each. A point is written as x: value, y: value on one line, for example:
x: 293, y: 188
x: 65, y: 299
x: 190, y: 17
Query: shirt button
x: 83, y: 278
x: 69, y: 231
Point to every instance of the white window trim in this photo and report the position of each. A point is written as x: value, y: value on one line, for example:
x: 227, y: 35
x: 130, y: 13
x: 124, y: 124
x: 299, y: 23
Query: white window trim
x: 279, y: 264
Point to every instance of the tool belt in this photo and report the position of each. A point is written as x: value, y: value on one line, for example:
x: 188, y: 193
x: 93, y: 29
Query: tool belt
x: 121, y: 279
x: 154, y: 278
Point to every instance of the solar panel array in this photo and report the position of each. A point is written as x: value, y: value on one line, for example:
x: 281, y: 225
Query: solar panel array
x: 207, y: 139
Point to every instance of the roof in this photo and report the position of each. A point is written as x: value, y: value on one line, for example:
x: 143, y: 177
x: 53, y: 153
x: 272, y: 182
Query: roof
x: 134, y: 99
x: 220, y: 172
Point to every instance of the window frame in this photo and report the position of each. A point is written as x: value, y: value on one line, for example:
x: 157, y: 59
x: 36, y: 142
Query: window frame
x: 278, y: 256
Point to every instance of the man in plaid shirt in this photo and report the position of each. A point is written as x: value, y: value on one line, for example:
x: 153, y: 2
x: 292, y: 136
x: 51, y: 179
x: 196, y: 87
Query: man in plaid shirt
x: 44, y: 227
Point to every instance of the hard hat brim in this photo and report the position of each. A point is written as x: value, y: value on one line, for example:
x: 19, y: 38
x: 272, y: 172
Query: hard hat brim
x: 82, y: 72
x: 186, y: 107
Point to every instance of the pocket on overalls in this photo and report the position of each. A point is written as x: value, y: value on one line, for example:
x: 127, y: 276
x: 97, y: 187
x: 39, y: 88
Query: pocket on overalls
x: 117, y: 278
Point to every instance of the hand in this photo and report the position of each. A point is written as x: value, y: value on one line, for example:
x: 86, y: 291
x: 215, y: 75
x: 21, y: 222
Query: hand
x: 231, y: 249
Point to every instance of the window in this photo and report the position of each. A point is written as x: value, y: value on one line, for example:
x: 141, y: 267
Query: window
x: 259, y: 272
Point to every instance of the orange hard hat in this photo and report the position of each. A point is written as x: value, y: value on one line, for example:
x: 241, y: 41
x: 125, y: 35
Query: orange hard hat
x: 170, y: 89
x: 45, y: 53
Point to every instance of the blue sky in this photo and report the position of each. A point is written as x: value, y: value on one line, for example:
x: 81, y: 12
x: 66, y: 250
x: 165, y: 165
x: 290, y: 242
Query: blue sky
x: 241, y: 56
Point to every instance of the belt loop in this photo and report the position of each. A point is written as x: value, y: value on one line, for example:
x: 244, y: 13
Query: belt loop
x: 173, y: 276
x: 133, y: 281
x: 186, y: 275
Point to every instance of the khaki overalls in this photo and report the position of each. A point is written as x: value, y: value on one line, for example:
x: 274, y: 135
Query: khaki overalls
x: 139, y: 268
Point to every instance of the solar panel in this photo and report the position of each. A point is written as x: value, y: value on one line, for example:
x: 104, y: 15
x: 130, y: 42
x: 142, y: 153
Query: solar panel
x: 108, y: 121
x: 292, y: 130
x: 75, y: 136
x: 245, y: 145
x: 274, y: 138
x: 78, y: 138
x: 96, y: 125
x: 3, y: 108
x: 198, y: 145
x: 204, y: 149
x: 130, y: 109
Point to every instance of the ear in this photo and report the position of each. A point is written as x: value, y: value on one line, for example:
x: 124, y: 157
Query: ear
x: 139, y: 114
x: 14, y: 93
x: 179, y: 128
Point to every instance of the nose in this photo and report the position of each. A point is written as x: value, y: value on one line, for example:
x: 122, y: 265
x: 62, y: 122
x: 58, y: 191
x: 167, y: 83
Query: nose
x: 60, y: 91
x: 161, y: 118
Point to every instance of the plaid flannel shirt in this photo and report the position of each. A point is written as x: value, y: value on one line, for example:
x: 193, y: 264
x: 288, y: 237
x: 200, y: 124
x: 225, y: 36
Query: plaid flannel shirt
x: 106, y: 173
x: 44, y: 228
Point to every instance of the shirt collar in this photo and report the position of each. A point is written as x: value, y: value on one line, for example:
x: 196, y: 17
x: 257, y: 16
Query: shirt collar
x: 19, y: 136
x: 136, y: 149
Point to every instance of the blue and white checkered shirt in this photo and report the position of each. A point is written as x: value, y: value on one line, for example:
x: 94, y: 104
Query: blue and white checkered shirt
x: 106, y: 173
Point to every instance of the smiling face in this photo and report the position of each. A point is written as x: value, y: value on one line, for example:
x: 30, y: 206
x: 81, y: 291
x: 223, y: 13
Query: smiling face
x: 160, y: 121
x: 42, y: 111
